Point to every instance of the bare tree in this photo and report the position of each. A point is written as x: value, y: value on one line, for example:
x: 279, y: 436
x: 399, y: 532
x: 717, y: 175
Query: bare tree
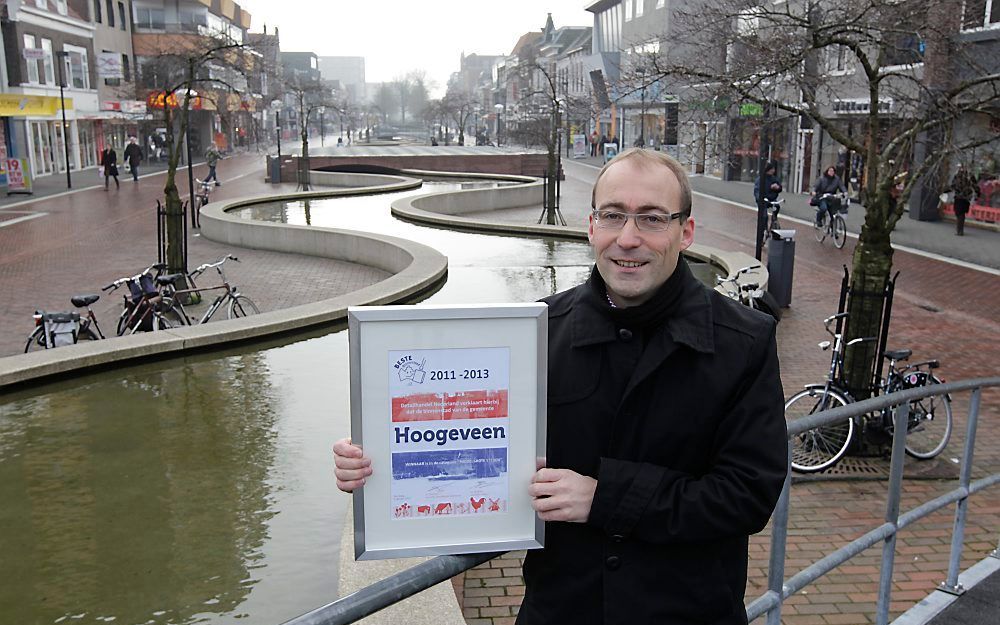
x: 309, y: 97
x: 800, y: 57
x: 459, y: 106
x: 181, y: 69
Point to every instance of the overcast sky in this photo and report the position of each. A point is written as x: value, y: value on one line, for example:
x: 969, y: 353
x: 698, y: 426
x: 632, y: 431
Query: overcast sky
x: 396, y: 36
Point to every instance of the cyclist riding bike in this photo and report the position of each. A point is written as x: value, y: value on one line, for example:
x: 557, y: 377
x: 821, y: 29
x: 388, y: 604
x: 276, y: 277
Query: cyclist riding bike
x: 823, y: 194
x: 772, y: 184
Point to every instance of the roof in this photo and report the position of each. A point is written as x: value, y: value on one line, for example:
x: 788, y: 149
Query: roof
x: 526, y: 40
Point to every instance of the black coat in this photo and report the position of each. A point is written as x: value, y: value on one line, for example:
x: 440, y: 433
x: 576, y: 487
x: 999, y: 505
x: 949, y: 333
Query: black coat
x: 769, y: 193
x: 109, y: 160
x: 133, y: 154
x: 690, y: 455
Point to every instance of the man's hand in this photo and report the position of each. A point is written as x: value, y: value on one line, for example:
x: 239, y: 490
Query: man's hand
x: 353, y: 466
x: 562, y: 495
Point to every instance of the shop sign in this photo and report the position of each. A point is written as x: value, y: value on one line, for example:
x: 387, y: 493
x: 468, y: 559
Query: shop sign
x: 18, y: 178
x: 34, y: 54
x: 156, y: 99
x: 751, y: 109
x: 860, y: 106
x: 13, y: 105
x: 124, y: 106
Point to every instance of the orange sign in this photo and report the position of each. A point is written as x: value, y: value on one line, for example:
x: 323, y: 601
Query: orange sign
x: 156, y: 98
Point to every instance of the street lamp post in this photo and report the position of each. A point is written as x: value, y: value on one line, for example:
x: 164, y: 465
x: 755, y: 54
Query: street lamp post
x: 277, y: 130
x: 61, y: 55
x: 499, y: 110
x: 322, y: 127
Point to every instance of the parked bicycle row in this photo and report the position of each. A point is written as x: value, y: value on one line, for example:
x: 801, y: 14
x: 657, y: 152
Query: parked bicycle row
x: 153, y: 300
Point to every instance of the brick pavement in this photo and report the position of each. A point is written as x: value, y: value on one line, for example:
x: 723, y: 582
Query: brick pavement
x: 86, y: 239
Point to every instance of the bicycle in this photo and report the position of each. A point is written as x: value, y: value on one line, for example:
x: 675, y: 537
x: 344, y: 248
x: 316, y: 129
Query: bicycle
x: 830, y: 222
x: 239, y: 305
x: 749, y: 294
x: 49, y: 326
x: 821, y: 448
x: 143, y: 306
x: 773, y: 208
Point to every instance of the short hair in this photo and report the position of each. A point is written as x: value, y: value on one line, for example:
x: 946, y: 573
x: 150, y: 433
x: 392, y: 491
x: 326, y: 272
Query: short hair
x: 650, y: 158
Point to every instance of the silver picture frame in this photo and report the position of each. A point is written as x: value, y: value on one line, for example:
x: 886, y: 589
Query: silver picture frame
x: 389, y: 350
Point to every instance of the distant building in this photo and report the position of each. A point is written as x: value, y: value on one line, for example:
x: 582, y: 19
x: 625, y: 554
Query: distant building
x: 350, y: 72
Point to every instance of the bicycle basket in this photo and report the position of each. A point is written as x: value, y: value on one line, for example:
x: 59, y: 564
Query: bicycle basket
x: 144, y: 286
x: 61, y: 328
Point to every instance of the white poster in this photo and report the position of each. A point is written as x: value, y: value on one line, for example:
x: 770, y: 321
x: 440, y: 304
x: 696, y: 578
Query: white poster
x: 449, y: 431
x: 580, y: 146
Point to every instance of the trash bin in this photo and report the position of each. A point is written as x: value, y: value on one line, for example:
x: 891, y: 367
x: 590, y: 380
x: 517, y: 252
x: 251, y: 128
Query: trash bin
x: 780, y: 263
x: 274, y: 169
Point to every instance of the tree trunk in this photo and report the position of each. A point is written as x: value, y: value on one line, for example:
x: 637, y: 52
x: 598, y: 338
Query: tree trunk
x: 172, y: 199
x: 872, y: 264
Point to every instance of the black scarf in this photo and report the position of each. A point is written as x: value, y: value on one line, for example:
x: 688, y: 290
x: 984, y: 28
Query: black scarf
x: 653, y: 312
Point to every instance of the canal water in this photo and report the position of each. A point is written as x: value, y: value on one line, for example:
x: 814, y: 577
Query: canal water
x: 200, y: 489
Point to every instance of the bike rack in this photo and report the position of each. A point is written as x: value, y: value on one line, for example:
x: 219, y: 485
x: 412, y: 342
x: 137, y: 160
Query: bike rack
x: 411, y: 581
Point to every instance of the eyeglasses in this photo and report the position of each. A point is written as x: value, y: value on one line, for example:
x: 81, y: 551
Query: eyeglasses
x: 648, y: 222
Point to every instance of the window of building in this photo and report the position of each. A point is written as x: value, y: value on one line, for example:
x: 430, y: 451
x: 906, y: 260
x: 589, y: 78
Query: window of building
x: 77, y: 68
x: 660, y: 4
x: 149, y: 18
x: 29, y: 43
x: 980, y: 14
x: 628, y: 10
x: 111, y: 12
x: 61, y: 7
x: 97, y: 11
x: 50, y: 75
x: 122, y: 22
x: 42, y: 4
x: 639, y: 7
x: 836, y: 59
x: 126, y: 69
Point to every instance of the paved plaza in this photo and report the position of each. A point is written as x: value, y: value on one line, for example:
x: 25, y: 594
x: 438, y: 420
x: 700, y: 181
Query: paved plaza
x: 947, y: 295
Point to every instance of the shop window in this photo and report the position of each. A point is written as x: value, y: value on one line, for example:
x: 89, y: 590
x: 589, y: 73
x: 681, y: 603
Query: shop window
x: 29, y: 43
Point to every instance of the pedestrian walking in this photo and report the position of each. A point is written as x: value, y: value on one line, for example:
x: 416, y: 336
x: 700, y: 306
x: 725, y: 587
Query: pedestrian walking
x: 109, y: 162
x: 666, y: 444
x: 594, y: 138
x: 966, y: 190
x: 133, y: 156
x: 212, y: 158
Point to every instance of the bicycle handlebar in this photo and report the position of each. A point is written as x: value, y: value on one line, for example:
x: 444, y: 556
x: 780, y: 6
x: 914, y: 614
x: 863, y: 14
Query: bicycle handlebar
x: 202, y: 268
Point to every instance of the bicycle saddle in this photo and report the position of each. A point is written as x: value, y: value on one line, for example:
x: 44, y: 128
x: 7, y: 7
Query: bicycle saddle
x: 170, y: 278
x: 897, y: 354
x: 84, y: 300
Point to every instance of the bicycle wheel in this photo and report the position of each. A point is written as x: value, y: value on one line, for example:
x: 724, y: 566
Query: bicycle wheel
x: 172, y: 313
x: 820, y: 448
x: 242, y: 306
x: 35, y: 339
x: 161, y: 323
x: 929, y: 426
x: 839, y: 227
x: 819, y: 231
x: 86, y: 334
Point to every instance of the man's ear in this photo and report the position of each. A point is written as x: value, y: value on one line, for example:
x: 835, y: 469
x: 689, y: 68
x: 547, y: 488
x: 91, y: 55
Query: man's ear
x: 687, y: 233
x: 590, y: 228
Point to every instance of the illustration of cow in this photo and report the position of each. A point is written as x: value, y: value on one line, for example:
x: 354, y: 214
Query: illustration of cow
x: 494, y: 505
x: 423, y: 509
x: 443, y: 508
x: 477, y: 503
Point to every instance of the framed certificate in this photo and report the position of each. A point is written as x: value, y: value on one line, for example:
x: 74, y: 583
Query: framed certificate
x: 449, y: 403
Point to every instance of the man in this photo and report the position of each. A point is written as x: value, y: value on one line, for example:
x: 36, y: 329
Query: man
x: 133, y: 156
x: 965, y: 188
x: 666, y: 435
x: 772, y: 183
x: 212, y: 157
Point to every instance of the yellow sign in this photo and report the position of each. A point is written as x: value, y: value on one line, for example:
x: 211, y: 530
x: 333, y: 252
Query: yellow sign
x: 13, y: 105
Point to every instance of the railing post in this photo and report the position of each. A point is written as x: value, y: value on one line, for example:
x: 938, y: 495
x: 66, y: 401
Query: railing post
x: 901, y: 416
x: 951, y: 585
x: 779, y: 542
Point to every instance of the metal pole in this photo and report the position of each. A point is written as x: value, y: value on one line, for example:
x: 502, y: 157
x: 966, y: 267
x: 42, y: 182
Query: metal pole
x: 322, y: 128
x: 779, y: 543
x: 61, y: 55
x: 951, y: 585
x: 901, y: 416
x: 761, y: 175
x: 277, y: 131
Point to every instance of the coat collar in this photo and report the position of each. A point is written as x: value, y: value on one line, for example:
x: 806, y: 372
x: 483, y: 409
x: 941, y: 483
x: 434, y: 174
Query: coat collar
x: 691, y: 325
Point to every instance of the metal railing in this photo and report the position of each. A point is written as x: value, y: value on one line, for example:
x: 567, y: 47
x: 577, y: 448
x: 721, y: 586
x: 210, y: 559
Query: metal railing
x: 411, y: 581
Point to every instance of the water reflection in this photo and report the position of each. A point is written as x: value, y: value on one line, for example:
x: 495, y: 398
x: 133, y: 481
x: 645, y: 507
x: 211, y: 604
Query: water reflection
x: 140, y: 498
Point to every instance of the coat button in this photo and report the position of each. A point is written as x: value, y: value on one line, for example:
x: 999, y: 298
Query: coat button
x: 613, y: 562
x: 617, y: 538
x: 625, y: 334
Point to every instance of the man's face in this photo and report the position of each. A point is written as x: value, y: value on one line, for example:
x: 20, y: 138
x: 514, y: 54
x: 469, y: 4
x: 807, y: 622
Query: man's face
x: 635, y: 263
